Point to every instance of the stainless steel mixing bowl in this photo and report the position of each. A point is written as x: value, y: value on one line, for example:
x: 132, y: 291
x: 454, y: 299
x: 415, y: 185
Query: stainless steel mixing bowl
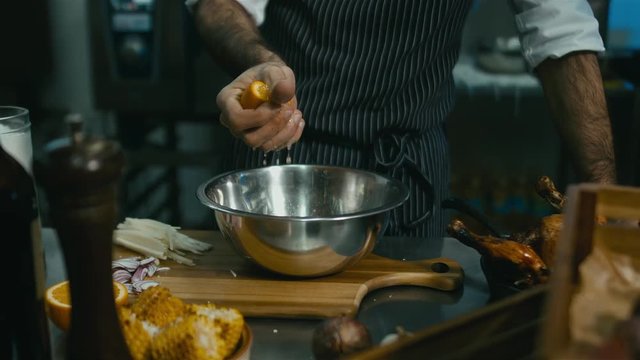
x: 302, y: 220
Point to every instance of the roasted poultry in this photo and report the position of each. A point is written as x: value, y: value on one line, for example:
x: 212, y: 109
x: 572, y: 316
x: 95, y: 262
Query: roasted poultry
x: 544, y: 236
x: 527, y: 265
x: 528, y: 253
x: 547, y: 190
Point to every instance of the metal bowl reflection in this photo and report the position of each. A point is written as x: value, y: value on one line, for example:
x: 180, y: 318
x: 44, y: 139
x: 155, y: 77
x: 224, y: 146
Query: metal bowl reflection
x: 302, y: 220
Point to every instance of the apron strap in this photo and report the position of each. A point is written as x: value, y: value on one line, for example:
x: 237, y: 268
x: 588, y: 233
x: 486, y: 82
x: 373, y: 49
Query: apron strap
x: 390, y: 157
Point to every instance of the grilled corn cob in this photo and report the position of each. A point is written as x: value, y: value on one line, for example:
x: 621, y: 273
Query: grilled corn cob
x: 160, y: 326
x: 190, y: 338
x: 158, y: 306
x: 228, y: 324
x: 136, y: 334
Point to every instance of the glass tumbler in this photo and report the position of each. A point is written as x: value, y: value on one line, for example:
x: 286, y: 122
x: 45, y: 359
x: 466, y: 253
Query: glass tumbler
x: 15, y: 135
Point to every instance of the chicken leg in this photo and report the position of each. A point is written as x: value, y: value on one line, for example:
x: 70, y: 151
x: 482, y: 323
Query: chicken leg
x: 544, y: 236
x: 530, y: 268
x: 548, y: 191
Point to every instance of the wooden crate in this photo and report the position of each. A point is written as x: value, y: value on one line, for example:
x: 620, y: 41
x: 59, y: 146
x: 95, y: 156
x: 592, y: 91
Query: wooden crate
x: 580, y: 232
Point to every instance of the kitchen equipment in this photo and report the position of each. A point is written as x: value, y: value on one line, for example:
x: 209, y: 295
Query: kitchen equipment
x: 138, y: 55
x: 222, y: 276
x: 148, y: 60
x: 302, y: 220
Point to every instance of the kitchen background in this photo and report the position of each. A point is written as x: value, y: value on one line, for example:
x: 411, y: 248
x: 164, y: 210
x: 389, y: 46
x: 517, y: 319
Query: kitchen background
x: 136, y: 72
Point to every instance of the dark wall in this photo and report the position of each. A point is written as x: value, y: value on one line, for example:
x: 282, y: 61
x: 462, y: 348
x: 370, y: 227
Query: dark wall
x: 25, y: 55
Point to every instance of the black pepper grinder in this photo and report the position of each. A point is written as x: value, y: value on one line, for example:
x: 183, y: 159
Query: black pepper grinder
x: 80, y: 176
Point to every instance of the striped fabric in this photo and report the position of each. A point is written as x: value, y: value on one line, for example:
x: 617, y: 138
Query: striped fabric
x: 374, y: 83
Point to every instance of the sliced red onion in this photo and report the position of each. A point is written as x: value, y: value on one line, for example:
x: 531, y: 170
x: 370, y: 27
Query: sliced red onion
x: 140, y: 286
x: 130, y: 264
x: 139, y: 275
x: 149, y: 260
x: 130, y: 288
x: 121, y: 276
x: 132, y: 272
x: 152, y: 268
x: 163, y: 268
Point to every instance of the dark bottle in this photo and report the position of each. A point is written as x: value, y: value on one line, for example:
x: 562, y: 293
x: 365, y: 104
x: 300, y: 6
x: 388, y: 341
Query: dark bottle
x: 24, y: 324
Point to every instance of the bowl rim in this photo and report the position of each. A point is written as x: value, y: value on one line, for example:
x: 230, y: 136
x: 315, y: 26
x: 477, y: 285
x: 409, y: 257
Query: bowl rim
x: 243, y: 347
x: 205, y: 200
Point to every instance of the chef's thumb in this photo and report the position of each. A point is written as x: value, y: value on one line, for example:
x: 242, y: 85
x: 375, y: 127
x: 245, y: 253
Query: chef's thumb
x: 282, y: 85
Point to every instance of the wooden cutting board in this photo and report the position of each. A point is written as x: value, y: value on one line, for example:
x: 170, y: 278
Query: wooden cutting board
x: 222, y: 276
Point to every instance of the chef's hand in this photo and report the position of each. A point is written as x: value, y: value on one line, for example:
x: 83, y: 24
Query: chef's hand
x: 272, y: 125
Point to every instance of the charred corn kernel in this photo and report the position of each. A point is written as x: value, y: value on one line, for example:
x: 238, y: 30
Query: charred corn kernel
x: 257, y: 93
x: 191, y: 338
x: 158, y: 306
x: 228, y: 324
x: 137, y: 337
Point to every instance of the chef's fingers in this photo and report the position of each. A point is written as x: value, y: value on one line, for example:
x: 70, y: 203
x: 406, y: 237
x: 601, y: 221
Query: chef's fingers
x: 242, y: 82
x: 256, y: 136
x: 298, y: 134
x: 281, y: 81
x: 286, y: 135
x: 266, y: 127
x: 237, y: 119
x: 228, y: 98
x: 268, y: 137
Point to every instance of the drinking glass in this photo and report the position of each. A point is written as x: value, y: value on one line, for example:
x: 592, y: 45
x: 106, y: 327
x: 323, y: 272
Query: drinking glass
x: 15, y: 135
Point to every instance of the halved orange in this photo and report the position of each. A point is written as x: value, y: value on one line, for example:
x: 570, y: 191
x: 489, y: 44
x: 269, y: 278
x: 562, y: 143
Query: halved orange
x: 257, y: 93
x: 57, y: 300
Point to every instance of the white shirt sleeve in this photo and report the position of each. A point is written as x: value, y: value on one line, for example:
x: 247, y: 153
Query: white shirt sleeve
x: 554, y: 28
x: 255, y: 8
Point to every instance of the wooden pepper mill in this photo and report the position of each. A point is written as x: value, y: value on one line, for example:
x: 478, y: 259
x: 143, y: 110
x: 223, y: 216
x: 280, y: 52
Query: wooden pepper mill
x: 80, y: 177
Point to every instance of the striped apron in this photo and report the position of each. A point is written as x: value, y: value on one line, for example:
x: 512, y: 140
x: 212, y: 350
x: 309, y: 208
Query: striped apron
x: 374, y: 83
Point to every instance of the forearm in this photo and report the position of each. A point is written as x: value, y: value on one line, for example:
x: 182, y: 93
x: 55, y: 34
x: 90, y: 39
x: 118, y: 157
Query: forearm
x: 573, y: 89
x: 231, y: 36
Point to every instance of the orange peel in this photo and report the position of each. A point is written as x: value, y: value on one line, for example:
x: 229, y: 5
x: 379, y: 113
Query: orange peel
x: 58, y: 302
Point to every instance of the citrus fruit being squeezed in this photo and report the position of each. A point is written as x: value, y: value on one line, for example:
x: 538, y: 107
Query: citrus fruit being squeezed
x: 257, y: 93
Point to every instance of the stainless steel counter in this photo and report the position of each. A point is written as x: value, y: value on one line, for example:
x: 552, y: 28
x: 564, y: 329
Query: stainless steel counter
x: 411, y: 307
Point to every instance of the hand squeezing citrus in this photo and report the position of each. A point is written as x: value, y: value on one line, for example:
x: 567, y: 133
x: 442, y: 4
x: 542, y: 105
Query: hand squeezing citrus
x: 58, y: 302
x: 257, y: 93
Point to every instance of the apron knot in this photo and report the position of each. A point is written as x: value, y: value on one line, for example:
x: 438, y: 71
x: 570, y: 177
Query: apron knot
x: 392, y: 156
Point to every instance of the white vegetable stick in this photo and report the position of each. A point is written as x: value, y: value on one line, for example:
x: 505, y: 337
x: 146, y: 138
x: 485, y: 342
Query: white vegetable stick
x: 141, y: 248
x: 148, y: 223
x: 159, y: 230
x: 168, y: 234
x: 161, y: 237
x: 200, y: 245
x: 150, y: 227
x: 143, y: 236
x: 170, y: 239
x: 137, y: 232
x: 187, y: 243
x: 181, y: 244
x: 138, y: 242
x: 136, y: 245
x: 180, y: 252
x: 180, y: 259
